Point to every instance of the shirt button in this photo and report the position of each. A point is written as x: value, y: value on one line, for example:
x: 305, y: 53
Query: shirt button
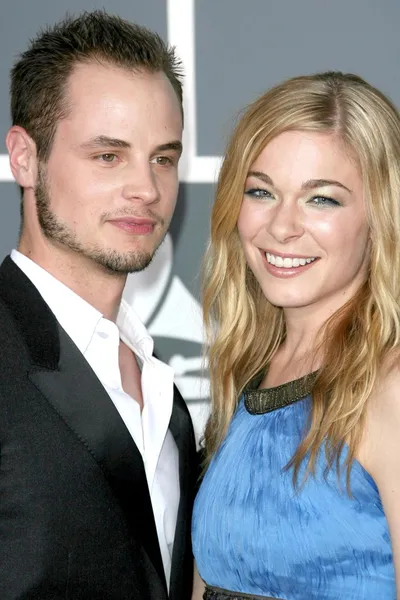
x: 103, y: 335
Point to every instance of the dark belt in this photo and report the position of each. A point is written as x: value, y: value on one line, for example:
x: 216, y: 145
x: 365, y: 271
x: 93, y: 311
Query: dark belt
x: 215, y: 593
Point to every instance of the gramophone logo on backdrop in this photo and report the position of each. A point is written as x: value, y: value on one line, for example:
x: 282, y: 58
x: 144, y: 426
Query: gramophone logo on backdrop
x: 172, y: 316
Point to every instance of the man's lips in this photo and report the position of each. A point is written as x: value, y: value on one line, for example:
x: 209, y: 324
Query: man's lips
x: 135, y: 225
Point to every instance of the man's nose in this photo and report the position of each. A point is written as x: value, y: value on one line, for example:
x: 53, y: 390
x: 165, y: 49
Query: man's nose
x: 140, y: 183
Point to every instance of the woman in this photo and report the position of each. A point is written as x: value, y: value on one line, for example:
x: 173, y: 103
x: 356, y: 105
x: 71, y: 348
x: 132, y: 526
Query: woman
x: 301, y: 498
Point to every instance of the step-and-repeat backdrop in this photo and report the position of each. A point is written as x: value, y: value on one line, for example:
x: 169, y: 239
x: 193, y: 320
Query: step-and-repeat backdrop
x: 232, y: 51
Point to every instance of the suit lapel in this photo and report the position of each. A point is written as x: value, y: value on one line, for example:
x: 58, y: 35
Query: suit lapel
x: 182, y: 560
x: 79, y: 398
x: 66, y: 380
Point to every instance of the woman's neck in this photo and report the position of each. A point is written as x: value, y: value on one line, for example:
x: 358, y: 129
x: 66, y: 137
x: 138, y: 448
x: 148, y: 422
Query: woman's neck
x: 300, y: 353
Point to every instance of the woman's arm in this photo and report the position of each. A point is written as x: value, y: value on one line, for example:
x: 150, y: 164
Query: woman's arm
x: 198, y: 586
x: 382, y: 455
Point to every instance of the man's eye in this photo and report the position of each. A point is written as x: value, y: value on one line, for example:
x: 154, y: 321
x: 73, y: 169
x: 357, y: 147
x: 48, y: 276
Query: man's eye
x: 163, y: 160
x: 108, y: 157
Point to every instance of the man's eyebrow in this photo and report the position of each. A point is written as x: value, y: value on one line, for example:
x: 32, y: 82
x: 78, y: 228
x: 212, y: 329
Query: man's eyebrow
x: 175, y: 145
x: 311, y: 184
x: 101, y: 141
x: 104, y: 141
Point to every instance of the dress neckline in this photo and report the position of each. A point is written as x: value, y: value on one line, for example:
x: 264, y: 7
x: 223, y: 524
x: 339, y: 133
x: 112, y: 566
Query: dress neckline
x: 260, y: 401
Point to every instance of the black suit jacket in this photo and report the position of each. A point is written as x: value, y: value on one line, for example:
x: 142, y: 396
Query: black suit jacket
x: 75, y: 514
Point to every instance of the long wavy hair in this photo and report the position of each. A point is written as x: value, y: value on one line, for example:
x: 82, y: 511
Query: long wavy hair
x: 244, y: 329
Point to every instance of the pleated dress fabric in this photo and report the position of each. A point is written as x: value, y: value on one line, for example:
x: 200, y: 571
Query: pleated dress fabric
x: 254, y: 533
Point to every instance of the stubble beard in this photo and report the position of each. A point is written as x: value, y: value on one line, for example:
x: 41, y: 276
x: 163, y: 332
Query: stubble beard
x: 57, y: 231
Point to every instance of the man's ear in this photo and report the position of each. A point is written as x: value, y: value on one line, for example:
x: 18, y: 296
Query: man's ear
x: 23, y: 159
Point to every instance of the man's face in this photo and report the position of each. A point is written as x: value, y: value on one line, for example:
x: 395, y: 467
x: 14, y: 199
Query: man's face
x: 108, y: 190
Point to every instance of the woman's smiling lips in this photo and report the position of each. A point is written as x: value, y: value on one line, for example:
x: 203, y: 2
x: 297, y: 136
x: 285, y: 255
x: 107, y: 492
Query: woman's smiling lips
x: 286, y: 265
x: 134, y: 225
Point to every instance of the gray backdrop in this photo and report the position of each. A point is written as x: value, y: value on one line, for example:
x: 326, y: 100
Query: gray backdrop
x: 232, y: 50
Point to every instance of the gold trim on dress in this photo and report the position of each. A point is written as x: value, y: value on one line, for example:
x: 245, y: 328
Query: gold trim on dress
x: 261, y: 401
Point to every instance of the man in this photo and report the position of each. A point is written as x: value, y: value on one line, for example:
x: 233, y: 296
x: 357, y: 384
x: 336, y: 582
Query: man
x: 97, y: 449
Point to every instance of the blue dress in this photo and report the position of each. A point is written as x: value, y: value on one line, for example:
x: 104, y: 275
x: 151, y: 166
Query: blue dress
x: 253, y: 533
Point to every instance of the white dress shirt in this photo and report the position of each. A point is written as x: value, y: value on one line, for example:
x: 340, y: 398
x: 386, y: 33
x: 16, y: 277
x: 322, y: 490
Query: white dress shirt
x: 98, y: 340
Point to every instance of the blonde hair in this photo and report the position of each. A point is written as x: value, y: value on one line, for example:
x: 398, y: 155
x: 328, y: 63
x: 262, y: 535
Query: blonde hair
x: 243, y: 329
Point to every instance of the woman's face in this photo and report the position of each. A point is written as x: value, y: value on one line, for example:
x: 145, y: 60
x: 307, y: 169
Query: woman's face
x: 303, y: 224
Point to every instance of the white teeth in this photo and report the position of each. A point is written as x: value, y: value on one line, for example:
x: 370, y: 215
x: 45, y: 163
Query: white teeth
x: 288, y: 263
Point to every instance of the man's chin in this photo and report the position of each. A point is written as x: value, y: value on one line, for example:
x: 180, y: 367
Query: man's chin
x: 122, y: 263
x: 128, y: 266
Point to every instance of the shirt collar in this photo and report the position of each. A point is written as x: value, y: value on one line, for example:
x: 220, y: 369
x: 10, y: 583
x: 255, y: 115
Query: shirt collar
x: 79, y: 318
x: 133, y: 332
x: 76, y: 316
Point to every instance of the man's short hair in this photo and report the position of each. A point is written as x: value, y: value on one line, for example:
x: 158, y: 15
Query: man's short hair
x: 40, y: 76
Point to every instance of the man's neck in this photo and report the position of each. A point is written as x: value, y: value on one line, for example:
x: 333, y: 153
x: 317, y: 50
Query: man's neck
x: 101, y: 288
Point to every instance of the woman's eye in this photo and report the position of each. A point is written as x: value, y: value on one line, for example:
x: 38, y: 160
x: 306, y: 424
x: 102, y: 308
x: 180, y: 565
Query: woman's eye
x: 258, y: 193
x: 324, y: 201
